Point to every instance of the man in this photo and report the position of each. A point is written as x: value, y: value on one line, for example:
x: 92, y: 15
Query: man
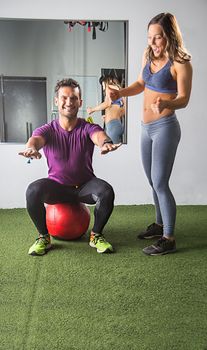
x: 68, y: 144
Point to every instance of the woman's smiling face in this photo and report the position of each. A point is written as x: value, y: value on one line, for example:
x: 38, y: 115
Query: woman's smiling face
x: 157, y: 40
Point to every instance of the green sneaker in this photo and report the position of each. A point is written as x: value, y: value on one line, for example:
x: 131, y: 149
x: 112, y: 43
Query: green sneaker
x: 41, y: 246
x: 99, y: 242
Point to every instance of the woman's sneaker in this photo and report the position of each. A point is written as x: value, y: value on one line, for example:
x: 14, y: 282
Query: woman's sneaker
x: 152, y: 231
x: 100, y: 243
x: 162, y: 247
x: 41, y: 245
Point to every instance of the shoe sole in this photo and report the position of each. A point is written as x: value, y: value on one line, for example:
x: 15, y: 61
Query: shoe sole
x: 45, y: 252
x: 150, y: 237
x: 107, y: 251
x: 161, y: 253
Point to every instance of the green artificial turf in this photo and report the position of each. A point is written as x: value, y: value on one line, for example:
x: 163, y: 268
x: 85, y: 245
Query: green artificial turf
x: 75, y: 299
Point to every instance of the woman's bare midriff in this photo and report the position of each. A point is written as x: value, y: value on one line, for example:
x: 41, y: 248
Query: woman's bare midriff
x: 113, y: 112
x: 150, y: 97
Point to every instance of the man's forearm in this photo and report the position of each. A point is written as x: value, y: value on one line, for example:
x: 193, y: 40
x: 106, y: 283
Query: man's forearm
x: 100, y: 138
x: 35, y: 143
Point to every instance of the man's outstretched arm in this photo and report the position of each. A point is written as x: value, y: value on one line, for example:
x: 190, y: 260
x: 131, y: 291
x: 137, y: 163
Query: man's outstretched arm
x: 103, y: 141
x: 33, y: 145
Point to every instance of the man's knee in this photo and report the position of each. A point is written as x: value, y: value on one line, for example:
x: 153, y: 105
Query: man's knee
x: 108, y: 192
x: 35, y: 189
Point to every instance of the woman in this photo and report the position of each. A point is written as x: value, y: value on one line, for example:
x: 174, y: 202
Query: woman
x: 165, y: 79
x: 114, y: 110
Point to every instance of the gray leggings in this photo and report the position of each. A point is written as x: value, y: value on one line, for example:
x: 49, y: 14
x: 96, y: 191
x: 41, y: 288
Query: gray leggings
x: 159, y: 141
x: 114, y: 129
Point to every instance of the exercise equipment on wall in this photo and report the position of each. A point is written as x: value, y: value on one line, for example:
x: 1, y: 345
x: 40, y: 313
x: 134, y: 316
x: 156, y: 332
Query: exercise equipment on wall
x: 91, y: 26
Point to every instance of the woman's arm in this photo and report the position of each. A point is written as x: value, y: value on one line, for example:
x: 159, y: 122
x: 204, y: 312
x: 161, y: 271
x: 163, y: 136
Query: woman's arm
x: 184, y: 74
x: 102, y: 106
x: 134, y: 89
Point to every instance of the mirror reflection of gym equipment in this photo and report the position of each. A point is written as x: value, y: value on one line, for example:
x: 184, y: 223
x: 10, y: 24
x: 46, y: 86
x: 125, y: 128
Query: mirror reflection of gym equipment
x: 37, y: 53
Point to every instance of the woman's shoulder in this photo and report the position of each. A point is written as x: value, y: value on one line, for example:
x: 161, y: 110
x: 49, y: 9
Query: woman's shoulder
x: 184, y: 65
x: 184, y: 69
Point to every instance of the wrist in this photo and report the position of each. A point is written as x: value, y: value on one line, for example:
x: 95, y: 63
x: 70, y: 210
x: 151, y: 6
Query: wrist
x: 30, y: 149
x: 107, y: 140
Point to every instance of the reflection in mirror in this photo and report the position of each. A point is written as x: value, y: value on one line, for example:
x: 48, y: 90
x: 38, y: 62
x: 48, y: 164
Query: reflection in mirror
x: 35, y: 54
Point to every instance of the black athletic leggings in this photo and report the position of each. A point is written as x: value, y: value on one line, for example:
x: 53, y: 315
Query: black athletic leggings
x: 95, y: 191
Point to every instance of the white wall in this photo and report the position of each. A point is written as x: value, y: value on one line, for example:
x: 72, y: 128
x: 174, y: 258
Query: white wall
x: 123, y: 168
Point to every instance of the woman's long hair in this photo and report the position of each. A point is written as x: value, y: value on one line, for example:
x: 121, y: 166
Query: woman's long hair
x: 175, y: 47
x: 110, y: 80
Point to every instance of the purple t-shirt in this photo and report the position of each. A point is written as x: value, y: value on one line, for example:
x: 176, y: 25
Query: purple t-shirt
x: 69, y: 153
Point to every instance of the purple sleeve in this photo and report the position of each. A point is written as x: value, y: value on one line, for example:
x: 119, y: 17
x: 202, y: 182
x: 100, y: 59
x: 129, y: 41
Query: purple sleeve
x: 92, y: 128
x: 43, y: 131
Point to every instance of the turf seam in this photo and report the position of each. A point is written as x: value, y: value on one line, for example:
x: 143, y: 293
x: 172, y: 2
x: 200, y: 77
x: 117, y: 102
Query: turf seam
x: 31, y: 306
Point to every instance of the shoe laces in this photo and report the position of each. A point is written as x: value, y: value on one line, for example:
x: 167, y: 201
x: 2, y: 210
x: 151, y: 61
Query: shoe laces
x: 98, y: 238
x: 163, y: 242
x: 101, y: 239
x: 151, y: 226
x: 43, y: 239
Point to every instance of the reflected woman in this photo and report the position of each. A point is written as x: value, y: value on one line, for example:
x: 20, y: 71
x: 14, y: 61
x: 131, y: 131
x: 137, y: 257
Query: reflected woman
x: 165, y: 79
x: 114, y: 110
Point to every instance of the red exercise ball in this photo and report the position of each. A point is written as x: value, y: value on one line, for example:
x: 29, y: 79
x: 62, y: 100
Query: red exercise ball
x: 67, y: 221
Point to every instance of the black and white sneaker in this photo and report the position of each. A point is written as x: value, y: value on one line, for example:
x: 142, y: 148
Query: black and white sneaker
x: 162, y: 247
x: 152, y: 231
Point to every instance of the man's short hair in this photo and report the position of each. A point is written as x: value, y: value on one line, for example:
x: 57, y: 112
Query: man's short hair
x: 67, y: 82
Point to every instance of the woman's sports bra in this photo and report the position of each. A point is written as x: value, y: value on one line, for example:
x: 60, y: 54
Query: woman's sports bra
x: 161, y: 81
x: 118, y: 102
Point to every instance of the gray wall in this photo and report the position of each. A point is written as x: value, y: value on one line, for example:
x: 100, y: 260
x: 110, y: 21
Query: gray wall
x: 123, y: 168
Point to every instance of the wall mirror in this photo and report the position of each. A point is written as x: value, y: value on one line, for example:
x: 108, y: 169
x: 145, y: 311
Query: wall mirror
x: 35, y: 54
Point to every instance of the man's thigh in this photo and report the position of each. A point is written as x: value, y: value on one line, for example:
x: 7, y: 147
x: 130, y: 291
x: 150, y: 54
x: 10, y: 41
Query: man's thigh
x: 53, y: 192
x: 92, y: 190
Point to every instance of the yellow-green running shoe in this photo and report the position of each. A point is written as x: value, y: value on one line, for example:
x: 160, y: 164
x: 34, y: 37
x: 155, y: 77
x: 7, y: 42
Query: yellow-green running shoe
x: 41, y: 246
x: 100, y: 243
